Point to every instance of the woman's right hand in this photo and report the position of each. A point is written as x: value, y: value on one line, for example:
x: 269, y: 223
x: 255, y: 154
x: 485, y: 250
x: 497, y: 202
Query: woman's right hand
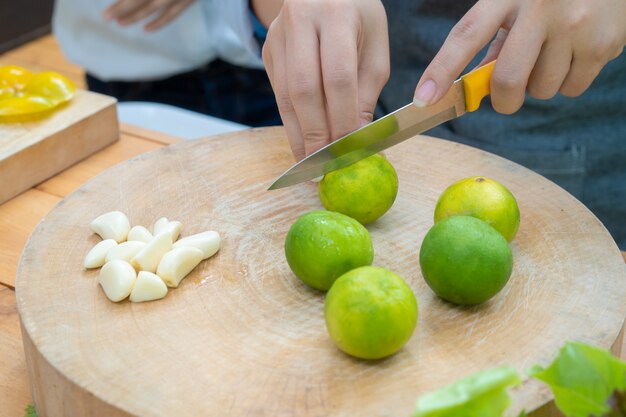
x: 327, y: 61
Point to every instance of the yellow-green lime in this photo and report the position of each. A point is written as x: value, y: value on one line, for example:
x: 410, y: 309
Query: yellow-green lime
x: 364, y: 190
x: 483, y: 198
x: 370, y: 312
x: 464, y: 260
x: 322, y: 245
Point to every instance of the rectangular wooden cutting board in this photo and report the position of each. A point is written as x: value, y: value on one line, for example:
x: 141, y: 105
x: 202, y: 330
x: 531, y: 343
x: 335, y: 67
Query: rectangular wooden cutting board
x: 31, y: 152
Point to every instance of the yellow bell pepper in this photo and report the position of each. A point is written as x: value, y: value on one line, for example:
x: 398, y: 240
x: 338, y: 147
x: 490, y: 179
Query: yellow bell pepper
x: 24, y: 93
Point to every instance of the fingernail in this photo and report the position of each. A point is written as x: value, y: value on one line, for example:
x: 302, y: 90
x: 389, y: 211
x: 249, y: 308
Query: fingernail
x: 425, y: 93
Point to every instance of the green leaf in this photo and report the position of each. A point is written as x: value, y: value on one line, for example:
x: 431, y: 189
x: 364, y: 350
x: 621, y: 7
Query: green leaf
x: 582, y: 378
x: 30, y: 411
x: 482, y: 394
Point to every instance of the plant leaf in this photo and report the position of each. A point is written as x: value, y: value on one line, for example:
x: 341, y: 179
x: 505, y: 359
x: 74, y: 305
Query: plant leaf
x: 582, y: 379
x: 482, y: 394
x: 30, y: 411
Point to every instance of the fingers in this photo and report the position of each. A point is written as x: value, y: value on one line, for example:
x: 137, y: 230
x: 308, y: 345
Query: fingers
x: 550, y: 70
x: 591, y: 54
x: 140, y: 13
x: 373, y: 69
x: 275, y: 65
x: 580, y: 76
x: 515, y: 63
x: 494, y: 47
x: 304, y: 82
x: 339, y: 61
x: 465, y: 40
x: 170, y: 13
x: 127, y: 12
x: 123, y: 8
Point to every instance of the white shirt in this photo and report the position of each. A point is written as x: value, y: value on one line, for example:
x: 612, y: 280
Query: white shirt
x: 206, y: 30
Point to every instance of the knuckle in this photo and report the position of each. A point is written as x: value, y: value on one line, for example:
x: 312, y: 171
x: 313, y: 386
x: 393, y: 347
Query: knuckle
x: 283, y: 101
x: 296, y: 10
x: 315, y: 136
x: 579, y: 17
x: 343, y: 7
x: 543, y: 86
x: 297, y: 148
x: 341, y: 79
x: 541, y: 92
x: 366, y: 115
x: 464, y: 30
x: 507, y: 82
x: 600, y: 51
x: 604, y: 48
x: 376, y: 74
x: 301, y: 89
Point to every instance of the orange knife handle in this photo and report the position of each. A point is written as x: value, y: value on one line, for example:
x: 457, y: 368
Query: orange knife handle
x: 476, y: 85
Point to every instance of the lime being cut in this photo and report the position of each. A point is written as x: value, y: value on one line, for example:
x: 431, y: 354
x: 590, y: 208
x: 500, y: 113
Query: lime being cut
x: 322, y: 245
x: 364, y: 190
x: 370, y: 312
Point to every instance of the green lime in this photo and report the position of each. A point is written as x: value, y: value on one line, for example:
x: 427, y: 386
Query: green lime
x: 364, y: 190
x: 370, y: 312
x: 483, y: 198
x: 464, y: 260
x: 322, y: 245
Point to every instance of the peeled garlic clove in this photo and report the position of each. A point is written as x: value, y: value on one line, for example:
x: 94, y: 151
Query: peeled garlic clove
x: 125, y: 251
x: 111, y: 225
x: 159, y: 225
x: 177, y: 263
x: 139, y: 234
x: 208, y: 242
x: 97, y: 255
x: 117, y: 279
x: 173, y: 228
x: 148, y: 258
x: 148, y: 287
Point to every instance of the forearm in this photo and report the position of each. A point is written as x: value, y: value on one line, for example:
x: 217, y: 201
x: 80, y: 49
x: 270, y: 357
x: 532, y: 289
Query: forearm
x: 266, y: 10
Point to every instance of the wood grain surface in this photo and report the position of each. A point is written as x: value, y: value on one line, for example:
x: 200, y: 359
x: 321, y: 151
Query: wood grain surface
x: 243, y: 336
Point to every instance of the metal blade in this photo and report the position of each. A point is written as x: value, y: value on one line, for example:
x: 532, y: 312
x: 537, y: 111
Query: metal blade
x: 385, y: 132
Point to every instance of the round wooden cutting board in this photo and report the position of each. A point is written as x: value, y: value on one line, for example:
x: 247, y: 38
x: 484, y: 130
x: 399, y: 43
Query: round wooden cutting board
x: 242, y: 336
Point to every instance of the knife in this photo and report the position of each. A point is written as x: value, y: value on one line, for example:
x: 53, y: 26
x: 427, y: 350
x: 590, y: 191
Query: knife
x: 464, y: 96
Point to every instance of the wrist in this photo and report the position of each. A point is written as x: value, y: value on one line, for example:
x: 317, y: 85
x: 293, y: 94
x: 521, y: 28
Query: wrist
x: 265, y: 11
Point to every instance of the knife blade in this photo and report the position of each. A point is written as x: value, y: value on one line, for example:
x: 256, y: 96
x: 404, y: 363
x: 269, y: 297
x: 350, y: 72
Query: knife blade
x: 408, y: 121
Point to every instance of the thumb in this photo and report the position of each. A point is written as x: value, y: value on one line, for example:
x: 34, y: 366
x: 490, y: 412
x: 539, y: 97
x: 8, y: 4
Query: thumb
x: 465, y: 40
